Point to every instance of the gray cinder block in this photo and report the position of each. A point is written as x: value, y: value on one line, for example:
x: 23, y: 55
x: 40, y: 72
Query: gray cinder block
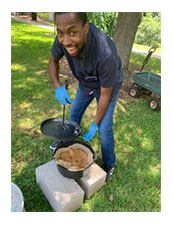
x: 63, y: 194
x: 93, y: 181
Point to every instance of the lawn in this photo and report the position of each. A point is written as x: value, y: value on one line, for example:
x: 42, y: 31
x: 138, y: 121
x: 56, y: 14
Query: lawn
x: 146, y: 48
x: 136, y: 62
x: 136, y: 184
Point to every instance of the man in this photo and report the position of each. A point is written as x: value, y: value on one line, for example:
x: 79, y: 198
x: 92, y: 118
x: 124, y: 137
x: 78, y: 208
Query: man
x: 93, y: 60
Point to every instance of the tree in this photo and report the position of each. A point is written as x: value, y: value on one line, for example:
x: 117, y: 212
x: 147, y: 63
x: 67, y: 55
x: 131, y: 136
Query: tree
x: 34, y: 16
x: 125, y: 31
x: 149, y: 30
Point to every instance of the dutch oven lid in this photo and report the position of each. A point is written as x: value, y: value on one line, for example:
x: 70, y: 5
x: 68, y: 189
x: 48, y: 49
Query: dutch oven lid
x: 57, y: 129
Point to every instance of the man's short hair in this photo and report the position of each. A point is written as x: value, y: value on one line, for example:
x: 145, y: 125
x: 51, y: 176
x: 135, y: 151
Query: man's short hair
x: 82, y: 16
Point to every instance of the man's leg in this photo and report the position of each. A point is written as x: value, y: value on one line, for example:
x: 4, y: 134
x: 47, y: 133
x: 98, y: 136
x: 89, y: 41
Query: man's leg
x: 79, y: 106
x: 107, y: 136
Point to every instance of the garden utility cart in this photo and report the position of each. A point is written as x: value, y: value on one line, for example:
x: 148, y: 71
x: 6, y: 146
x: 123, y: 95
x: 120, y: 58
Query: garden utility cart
x: 147, y: 81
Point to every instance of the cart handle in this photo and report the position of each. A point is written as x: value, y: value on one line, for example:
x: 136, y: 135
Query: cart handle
x: 150, y: 52
x: 152, y: 49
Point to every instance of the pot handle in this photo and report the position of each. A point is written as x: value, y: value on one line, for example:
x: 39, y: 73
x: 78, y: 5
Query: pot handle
x: 54, y: 146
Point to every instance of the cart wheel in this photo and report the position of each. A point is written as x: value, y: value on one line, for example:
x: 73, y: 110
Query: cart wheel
x: 155, y: 104
x: 134, y: 92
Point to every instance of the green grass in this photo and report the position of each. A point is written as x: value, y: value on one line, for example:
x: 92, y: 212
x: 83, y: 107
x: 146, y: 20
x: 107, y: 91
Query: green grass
x: 136, y: 185
x: 153, y: 65
x: 146, y: 48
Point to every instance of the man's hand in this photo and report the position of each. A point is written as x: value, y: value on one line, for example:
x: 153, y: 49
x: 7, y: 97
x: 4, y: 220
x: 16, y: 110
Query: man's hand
x: 92, y: 130
x: 61, y: 94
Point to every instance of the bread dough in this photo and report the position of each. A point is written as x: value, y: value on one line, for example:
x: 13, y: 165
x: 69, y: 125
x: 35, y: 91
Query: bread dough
x: 75, y: 157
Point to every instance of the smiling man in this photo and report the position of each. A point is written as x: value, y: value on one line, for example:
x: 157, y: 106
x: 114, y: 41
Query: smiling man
x: 93, y: 60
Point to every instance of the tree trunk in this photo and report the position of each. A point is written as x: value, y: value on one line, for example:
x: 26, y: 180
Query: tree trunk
x: 34, y: 16
x: 125, y: 31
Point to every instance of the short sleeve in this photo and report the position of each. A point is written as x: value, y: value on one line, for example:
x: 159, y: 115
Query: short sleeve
x: 57, y: 50
x: 108, y: 71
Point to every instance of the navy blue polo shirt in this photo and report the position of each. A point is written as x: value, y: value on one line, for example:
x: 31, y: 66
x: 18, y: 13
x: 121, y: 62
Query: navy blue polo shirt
x: 97, y: 65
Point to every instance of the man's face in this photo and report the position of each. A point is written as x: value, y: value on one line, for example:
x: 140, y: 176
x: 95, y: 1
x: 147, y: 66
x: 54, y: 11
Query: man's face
x: 71, y: 33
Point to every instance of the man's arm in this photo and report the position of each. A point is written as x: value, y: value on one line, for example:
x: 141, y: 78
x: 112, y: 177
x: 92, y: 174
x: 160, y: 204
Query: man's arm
x: 103, y: 103
x: 101, y: 109
x: 54, y: 71
x: 61, y: 93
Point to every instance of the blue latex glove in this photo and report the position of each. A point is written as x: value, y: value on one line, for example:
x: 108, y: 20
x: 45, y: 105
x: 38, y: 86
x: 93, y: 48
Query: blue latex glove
x: 61, y: 94
x: 91, y: 132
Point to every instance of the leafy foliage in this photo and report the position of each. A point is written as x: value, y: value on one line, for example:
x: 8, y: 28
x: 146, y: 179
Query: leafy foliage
x: 44, y: 15
x: 149, y: 31
x: 103, y: 20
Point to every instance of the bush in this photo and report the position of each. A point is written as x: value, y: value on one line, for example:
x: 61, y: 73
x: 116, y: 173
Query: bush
x: 149, y: 31
x: 44, y: 15
x: 103, y: 20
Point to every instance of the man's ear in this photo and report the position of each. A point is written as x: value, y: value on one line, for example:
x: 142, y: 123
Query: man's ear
x: 86, y: 27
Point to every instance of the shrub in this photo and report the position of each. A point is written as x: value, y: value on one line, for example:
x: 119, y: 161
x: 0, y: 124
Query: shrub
x: 149, y: 31
x: 103, y: 20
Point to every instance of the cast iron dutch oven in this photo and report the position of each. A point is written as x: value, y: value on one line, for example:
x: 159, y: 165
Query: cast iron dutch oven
x: 75, y: 174
x: 65, y: 130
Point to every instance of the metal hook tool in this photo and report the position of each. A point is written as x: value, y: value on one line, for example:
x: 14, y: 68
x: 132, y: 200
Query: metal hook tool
x: 150, y: 52
x: 66, y: 86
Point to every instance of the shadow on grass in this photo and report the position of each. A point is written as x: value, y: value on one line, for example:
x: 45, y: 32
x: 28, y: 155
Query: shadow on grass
x: 28, y: 156
x: 137, y: 181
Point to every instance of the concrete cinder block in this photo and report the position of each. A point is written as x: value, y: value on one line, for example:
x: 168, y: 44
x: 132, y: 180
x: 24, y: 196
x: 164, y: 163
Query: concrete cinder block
x: 63, y: 194
x: 93, y: 181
